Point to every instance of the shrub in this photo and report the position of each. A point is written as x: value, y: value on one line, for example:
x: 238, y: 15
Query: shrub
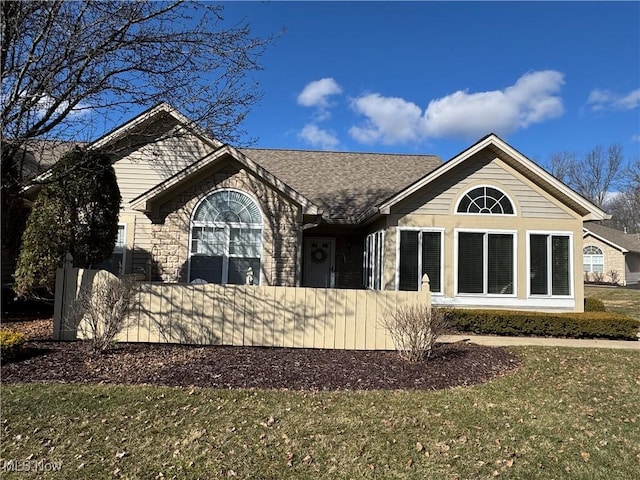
x: 415, y: 330
x: 11, y: 343
x: 101, y: 311
x: 77, y: 212
x: 573, y: 325
x: 592, y: 304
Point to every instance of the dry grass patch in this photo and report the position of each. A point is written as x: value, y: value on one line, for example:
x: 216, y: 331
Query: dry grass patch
x: 617, y: 299
x: 566, y: 413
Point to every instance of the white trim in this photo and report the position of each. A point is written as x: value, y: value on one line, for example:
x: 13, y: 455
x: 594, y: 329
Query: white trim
x: 485, y: 259
x: 146, y: 115
x: 587, y: 232
x: 591, y: 257
x: 485, y: 185
x: 534, y: 303
x: 227, y: 232
x: 374, y: 249
x: 595, y: 213
x: 123, y: 247
x: 549, y: 234
x: 441, y: 231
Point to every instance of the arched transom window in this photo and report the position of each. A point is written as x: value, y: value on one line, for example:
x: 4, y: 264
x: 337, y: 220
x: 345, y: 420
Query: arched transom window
x: 485, y: 201
x: 226, y: 239
x: 593, y: 259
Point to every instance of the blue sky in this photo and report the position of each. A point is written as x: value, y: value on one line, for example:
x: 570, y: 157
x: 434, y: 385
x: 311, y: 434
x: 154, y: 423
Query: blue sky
x: 431, y: 77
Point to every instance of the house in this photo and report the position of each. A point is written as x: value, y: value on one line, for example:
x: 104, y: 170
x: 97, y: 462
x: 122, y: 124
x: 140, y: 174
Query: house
x: 489, y: 227
x: 610, y: 255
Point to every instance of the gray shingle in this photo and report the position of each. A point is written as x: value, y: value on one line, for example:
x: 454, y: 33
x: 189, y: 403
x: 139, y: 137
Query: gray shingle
x: 344, y: 184
x: 630, y: 241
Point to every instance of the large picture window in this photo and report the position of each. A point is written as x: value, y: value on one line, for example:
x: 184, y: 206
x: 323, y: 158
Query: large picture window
x: 592, y: 259
x: 373, y: 260
x: 226, y: 239
x: 486, y: 263
x: 420, y: 252
x: 550, y: 264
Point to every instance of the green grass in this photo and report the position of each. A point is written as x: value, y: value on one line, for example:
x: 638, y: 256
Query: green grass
x: 617, y: 299
x: 566, y: 413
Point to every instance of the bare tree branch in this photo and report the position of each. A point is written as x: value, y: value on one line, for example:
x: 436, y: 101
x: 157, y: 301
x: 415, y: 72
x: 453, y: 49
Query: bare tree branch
x: 69, y: 69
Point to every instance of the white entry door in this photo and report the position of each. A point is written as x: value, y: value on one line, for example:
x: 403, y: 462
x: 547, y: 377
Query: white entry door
x: 319, y: 257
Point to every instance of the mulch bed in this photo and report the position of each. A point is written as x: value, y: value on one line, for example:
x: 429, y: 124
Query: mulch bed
x: 252, y: 367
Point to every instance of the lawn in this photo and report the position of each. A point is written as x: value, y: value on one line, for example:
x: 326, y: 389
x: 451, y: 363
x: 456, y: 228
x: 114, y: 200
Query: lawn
x: 617, y: 299
x: 566, y: 413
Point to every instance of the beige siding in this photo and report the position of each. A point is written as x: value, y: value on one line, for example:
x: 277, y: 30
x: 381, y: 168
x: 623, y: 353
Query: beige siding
x: 148, y: 165
x: 441, y: 198
x: 535, y: 210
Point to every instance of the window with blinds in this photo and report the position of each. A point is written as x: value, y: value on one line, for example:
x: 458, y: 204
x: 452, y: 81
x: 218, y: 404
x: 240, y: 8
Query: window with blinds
x: 420, y: 252
x: 486, y: 263
x: 550, y: 264
x: 593, y: 259
x: 226, y: 239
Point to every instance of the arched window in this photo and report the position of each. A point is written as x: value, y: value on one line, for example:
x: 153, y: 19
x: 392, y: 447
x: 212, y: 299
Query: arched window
x: 593, y: 259
x: 485, y: 201
x: 226, y: 239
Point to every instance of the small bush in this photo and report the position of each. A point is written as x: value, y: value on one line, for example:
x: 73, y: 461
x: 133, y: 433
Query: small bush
x: 415, y: 330
x: 592, y: 304
x: 573, y: 325
x: 101, y: 311
x: 11, y: 343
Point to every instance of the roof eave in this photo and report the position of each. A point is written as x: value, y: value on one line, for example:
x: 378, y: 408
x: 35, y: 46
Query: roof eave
x: 593, y: 211
x: 602, y: 239
x: 145, y: 202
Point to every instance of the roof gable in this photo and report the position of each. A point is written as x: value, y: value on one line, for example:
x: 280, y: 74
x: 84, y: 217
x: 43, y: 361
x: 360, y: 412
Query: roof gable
x: 519, y: 162
x: 148, y: 201
x: 625, y: 242
x: 143, y: 125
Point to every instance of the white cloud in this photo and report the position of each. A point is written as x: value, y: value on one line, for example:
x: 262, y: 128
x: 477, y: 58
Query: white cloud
x: 532, y: 99
x: 608, y: 100
x: 389, y: 119
x: 636, y: 138
x: 317, y: 93
x: 318, y: 137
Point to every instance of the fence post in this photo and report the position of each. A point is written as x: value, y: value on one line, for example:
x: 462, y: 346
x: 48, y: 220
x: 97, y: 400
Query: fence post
x: 63, y: 276
x: 426, y: 289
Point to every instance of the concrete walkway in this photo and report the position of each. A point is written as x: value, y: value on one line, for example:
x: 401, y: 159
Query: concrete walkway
x: 498, y: 341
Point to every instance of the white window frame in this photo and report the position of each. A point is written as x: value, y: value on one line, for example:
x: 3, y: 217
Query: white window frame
x: 549, y: 234
x: 460, y: 197
x: 420, y: 230
x: 485, y: 260
x: 227, y: 235
x: 591, y: 257
x: 373, y: 264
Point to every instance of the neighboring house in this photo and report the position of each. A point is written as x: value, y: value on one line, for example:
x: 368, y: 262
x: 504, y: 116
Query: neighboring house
x: 610, y: 255
x: 490, y: 227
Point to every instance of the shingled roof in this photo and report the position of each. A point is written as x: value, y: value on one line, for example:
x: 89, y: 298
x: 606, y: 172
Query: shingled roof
x: 628, y: 241
x: 344, y: 184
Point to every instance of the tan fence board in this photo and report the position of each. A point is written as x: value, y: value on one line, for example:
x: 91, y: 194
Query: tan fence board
x: 250, y: 315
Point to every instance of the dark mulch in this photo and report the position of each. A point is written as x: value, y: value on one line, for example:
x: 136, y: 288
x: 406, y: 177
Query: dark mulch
x: 252, y: 367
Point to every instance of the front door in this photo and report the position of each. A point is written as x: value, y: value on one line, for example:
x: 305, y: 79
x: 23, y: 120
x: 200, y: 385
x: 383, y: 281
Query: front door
x: 319, y: 257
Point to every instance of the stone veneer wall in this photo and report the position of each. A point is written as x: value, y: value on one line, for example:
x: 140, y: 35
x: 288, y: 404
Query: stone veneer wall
x: 613, y: 261
x: 280, y: 228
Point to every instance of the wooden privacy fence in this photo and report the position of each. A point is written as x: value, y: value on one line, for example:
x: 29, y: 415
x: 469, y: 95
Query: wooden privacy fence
x: 246, y: 315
